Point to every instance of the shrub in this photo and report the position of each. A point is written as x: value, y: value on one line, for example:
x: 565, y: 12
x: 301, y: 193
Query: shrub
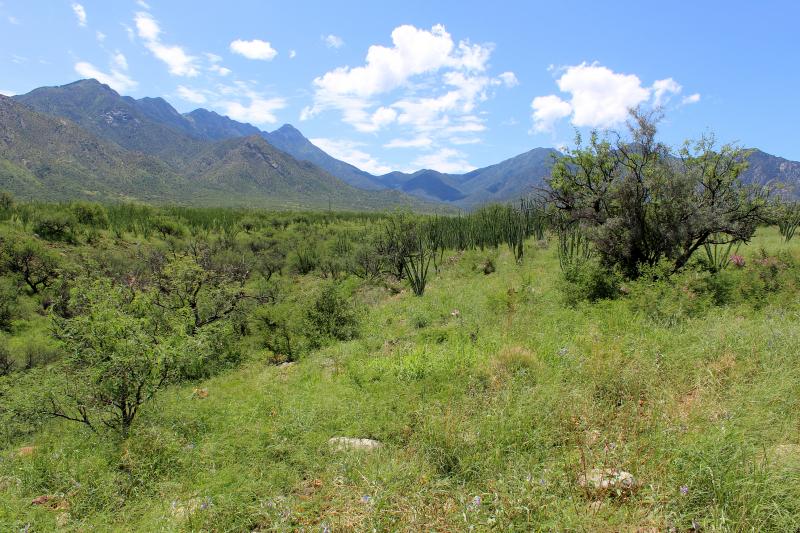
x: 331, y: 316
x: 588, y: 280
x: 58, y: 226
x: 35, y: 264
x: 89, y: 214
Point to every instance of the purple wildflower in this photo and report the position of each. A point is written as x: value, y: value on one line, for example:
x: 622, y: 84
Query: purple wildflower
x: 684, y: 490
x: 737, y: 260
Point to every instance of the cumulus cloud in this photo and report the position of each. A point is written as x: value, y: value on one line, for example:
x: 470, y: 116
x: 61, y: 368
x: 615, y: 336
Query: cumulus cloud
x: 292, y: 54
x: 117, y: 80
x: 598, y: 97
x: 255, y: 49
x: 509, y: 79
x: 80, y: 13
x: 258, y: 110
x: 191, y: 95
x: 351, y: 152
x: 333, y: 41
x: 425, y: 87
x: 446, y: 160
x: 547, y: 110
x: 175, y: 57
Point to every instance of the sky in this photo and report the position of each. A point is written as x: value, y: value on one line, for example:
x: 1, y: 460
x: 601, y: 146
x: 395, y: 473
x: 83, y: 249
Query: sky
x: 447, y: 85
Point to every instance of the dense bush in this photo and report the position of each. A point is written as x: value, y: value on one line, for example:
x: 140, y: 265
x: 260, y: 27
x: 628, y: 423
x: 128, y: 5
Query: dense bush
x: 640, y: 202
x: 57, y: 226
x: 588, y: 280
x: 331, y: 317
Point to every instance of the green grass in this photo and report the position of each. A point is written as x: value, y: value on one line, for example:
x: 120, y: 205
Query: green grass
x: 510, y: 399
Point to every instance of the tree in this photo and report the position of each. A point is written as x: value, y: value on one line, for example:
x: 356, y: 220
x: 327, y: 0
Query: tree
x: 35, y: 264
x: 639, y: 202
x: 208, y: 287
x: 118, y: 358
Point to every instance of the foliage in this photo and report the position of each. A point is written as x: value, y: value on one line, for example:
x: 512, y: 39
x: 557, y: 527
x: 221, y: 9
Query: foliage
x: 331, y: 317
x: 57, y: 226
x: 119, y: 357
x: 36, y: 265
x: 788, y: 218
x: 588, y: 280
x: 640, y: 202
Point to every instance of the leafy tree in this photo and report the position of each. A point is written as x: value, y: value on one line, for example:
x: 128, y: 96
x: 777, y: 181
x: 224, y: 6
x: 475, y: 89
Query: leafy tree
x: 638, y: 201
x: 118, y: 358
x: 36, y: 265
x: 208, y: 288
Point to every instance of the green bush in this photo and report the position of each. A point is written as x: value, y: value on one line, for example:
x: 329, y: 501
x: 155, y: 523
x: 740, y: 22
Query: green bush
x: 588, y: 280
x: 331, y: 317
x: 58, y: 226
x: 88, y: 214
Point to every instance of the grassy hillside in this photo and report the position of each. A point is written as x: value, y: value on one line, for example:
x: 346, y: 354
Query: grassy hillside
x: 491, y: 397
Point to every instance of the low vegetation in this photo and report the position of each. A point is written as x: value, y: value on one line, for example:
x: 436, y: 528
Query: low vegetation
x: 537, y: 366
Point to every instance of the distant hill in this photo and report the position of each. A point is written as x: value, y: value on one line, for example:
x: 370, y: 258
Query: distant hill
x: 291, y: 141
x: 52, y: 158
x: 183, y: 144
x: 84, y: 140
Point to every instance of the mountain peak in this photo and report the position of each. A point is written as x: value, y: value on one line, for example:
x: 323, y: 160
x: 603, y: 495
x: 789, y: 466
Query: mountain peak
x: 288, y: 130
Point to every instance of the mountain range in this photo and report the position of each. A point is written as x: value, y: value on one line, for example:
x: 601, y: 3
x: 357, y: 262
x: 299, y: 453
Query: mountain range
x: 84, y: 140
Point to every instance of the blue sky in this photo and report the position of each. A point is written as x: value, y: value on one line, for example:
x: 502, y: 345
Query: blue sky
x: 449, y: 85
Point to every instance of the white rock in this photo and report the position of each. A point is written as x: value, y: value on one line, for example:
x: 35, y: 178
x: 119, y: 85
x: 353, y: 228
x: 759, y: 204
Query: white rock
x: 601, y: 480
x: 341, y: 444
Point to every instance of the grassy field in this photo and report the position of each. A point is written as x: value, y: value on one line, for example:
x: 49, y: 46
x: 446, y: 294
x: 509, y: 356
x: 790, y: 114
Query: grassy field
x: 491, y: 398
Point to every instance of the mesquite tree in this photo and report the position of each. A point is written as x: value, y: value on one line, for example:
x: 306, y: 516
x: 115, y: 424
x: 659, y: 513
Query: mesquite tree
x: 639, y: 202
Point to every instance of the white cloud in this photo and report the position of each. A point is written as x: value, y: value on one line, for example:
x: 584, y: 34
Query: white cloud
x: 80, y: 13
x: 509, y: 79
x: 13, y: 20
x: 100, y: 36
x: 547, y: 110
x: 414, y: 52
x: 415, y: 142
x: 292, y: 54
x: 445, y: 160
x: 119, y: 60
x: 222, y: 71
x: 177, y: 60
x: 691, y: 99
x: 258, y: 111
x: 425, y: 87
x: 255, y: 49
x: 663, y: 89
x: 598, y: 97
x: 333, y: 41
x: 129, y: 32
x: 143, y: 4
x: 191, y: 95
x: 117, y: 80
x: 4, y: 92
x: 350, y: 152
